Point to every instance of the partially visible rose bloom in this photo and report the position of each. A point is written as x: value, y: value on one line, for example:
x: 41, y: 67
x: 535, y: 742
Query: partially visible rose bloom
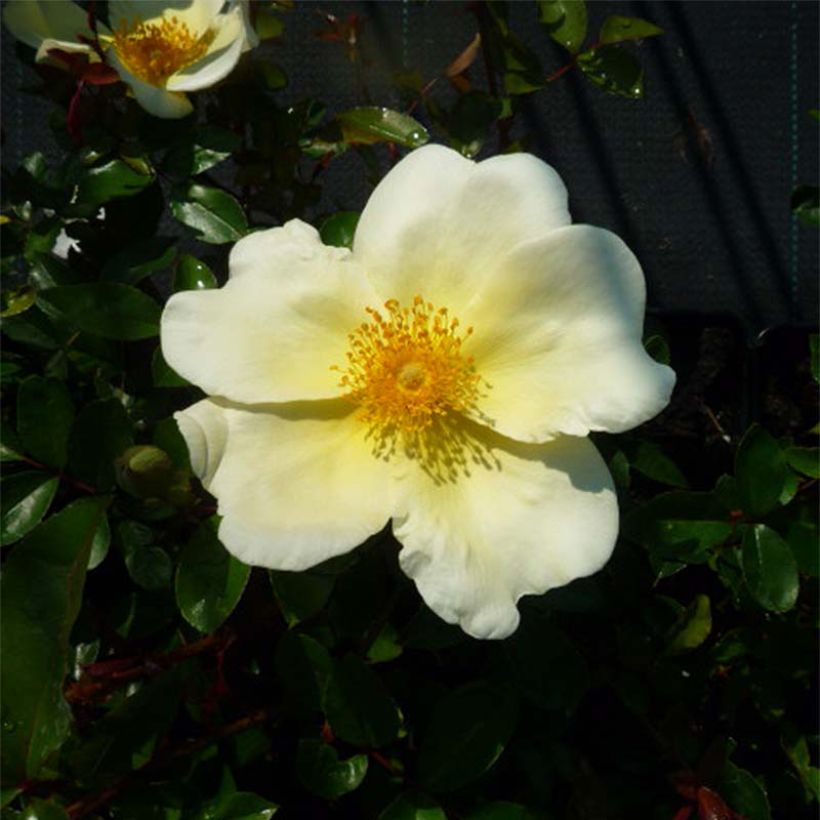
x: 444, y: 374
x: 160, y: 49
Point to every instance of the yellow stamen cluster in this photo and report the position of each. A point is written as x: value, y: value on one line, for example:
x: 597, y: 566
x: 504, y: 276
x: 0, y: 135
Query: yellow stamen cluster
x: 406, y: 369
x: 155, y: 51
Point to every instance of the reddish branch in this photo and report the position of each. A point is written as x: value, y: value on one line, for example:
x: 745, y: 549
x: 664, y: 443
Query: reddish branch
x: 103, y: 677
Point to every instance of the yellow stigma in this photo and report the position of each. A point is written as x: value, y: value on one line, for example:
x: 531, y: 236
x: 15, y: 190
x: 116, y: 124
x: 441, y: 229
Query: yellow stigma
x: 155, y: 51
x: 406, y: 369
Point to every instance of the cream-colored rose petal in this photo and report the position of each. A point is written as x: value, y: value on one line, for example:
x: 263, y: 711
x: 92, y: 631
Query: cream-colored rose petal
x: 196, y: 14
x: 296, y: 484
x: 437, y: 223
x: 32, y: 21
x: 557, y: 337
x: 157, y: 101
x: 274, y: 331
x: 533, y: 518
x: 221, y: 58
x: 48, y: 45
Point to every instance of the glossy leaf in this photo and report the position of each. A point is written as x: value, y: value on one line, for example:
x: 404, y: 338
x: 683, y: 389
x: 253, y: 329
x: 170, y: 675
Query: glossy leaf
x: 42, y: 587
x: 616, y: 29
x: 100, y: 544
x: 565, y: 21
x: 650, y: 460
x: 805, y: 460
x: 214, y: 215
x: 149, y: 567
x: 301, y: 594
x: 193, y: 274
x: 467, y: 733
x: 107, y: 309
x: 769, y: 569
x: 613, y: 69
x: 338, y: 229
x: 413, y: 806
x: 113, y: 180
x: 44, y: 417
x: 679, y: 526
x: 321, y: 772
x: 134, y: 263
x: 806, y: 204
x: 358, y: 706
x: 44, y: 810
x: 760, y: 470
x: 372, y: 124
x: 206, y: 147
x: 24, y: 501
x: 744, y: 794
x: 209, y: 580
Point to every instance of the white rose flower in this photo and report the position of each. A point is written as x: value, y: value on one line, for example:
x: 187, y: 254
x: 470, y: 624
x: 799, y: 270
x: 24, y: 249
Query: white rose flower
x: 159, y: 48
x: 444, y: 374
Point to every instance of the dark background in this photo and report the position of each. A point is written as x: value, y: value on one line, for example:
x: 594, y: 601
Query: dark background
x: 696, y: 177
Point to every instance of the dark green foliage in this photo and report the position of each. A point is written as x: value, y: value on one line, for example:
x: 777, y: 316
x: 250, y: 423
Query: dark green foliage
x: 149, y: 674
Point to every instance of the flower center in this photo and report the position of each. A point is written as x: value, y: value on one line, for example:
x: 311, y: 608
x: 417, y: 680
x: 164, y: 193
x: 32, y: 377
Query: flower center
x: 155, y: 51
x: 405, y: 368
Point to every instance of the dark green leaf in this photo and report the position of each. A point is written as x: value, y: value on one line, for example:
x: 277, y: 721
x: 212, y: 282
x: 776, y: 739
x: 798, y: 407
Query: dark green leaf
x: 413, y: 806
x: 470, y: 121
x: 358, y: 707
x: 304, y: 668
x: 192, y: 274
x: 467, y: 733
x: 373, y: 124
x: 321, y: 772
x: 107, y: 309
x: 100, y: 544
x: 338, y: 229
x: 769, y: 569
x: 679, y: 526
x: 15, y: 302
x: 565, y: 21
x: 110, y: 181
x: 805, y: 460
x: 149, y: 567
x: 24, y: 500
x: 744, y: 794
x: 301, y: 594
x: 207, y: 146
x: 44, y: 417
x: 133, y: 264
x: 648, y: 458
x: 101, y: 433
x: 386, y: 646
x: 814, y: 355
x: 614, y: 69
x: 213, y: 214
x: 760, y: 470
x: 617, y: 29
x: 692, y: 628
x: 806, y: 204
x: 42, y: 587
x: 210, y: 581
